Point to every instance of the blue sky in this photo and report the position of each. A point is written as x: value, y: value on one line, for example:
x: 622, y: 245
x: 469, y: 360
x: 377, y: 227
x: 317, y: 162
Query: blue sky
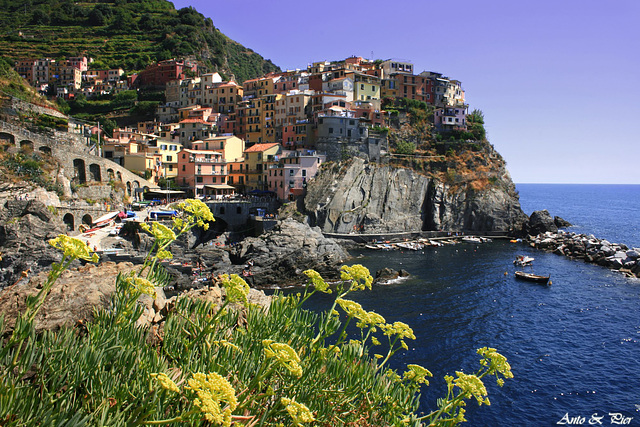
x: 558, y: 81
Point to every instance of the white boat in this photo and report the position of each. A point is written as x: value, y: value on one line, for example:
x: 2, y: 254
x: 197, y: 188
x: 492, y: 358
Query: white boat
x: 471, y: 239
x: 523, y: 260
x: 105, y: 219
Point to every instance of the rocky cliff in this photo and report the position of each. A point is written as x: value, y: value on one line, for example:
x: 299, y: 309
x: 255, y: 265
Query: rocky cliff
x: 375, y: 198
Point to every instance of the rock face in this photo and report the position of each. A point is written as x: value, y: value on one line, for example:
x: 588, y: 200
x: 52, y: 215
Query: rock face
x: 281, y: 255
x: 25, y: 228
x: 378, y: 199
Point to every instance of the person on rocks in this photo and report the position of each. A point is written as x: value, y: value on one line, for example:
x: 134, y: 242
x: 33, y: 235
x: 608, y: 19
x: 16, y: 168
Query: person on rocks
x: 247, y: 275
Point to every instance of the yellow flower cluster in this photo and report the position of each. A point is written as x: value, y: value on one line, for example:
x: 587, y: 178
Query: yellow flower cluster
x: 163, y: 234
x: 401, y: 329
x: 166, y: 382
x: 74, y: 248
x: 198, y: 211
x: 495, y: 363
x: 213, y: 390
x: 471, y: 385
x: 237, y: 289
x: 365, y: 318
x: 317, y: 281
x: 358, y: 275
x: 417, y: 374
x: 164, y: 254
x: 142, y: 285
x: 398, y: 328
x: 284, y: 355
x: 299, y: 412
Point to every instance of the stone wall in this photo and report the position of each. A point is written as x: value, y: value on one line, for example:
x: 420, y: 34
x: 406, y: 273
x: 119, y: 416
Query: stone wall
x: 371, y: 148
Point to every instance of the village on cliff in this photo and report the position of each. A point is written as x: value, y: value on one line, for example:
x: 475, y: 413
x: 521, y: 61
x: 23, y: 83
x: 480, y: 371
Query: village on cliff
x: 215, y: 138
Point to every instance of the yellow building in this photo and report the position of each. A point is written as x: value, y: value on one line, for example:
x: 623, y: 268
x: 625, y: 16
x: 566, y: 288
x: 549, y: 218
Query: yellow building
x: 255, y: 158
x: 144, y: 164
x: 253, y: 120
x: 365, y: 87
x: 167, y: 152
x: 268, y: 118
x: 231, y: 147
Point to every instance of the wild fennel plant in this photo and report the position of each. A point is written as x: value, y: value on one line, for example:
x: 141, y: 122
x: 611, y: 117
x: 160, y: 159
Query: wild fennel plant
x: 232, y: 364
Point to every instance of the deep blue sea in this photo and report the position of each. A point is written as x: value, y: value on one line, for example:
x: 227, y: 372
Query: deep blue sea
x: 574, y: 346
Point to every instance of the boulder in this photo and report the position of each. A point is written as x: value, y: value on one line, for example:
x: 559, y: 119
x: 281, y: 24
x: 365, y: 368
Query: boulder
x: 281, y: 255
x: 561, y: 223
x: 72, y: 299
x: 541, y: 222
x: 387, y: 275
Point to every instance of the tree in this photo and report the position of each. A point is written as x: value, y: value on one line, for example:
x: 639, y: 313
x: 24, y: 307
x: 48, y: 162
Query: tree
x: 476, y: 116
x: 96, y: 18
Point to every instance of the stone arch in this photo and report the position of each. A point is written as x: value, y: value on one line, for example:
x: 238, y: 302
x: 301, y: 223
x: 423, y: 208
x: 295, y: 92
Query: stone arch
x: 45, y: 150
x: 119, y: 176
x: 86, y: 219
x: 27, y: 145
x: 7, y: 138
x: 69, y: 220
x: 79, y: 172
x: 128, y: 188
x: 136, y: 189
x: 111, y: 174
x: 94, y: 172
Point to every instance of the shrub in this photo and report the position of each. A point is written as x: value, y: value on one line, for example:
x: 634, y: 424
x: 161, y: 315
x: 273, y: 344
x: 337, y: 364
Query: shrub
x: 216, y: 365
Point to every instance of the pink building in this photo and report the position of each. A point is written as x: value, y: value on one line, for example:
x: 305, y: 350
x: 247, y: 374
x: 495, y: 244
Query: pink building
x: 289, y: 172
x: 201, y: 172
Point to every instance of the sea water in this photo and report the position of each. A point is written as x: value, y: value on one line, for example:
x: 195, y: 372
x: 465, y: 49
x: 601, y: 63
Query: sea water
x: 574, y: 346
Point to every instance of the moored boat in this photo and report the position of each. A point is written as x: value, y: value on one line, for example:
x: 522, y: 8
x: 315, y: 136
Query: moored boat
x: 523, y: 260
x: 532, y: 277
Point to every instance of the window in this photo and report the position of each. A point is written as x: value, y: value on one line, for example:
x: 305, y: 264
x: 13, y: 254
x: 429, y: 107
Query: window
x: 304, y: 172
x: 184, y: 168
x: 169, y: 158
x: 361, y: 87
x: 291, y: 172
x: 199, y: 179
x: 330, y: 130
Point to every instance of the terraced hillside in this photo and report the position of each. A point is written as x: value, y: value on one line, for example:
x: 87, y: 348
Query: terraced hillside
x: 122, y: 33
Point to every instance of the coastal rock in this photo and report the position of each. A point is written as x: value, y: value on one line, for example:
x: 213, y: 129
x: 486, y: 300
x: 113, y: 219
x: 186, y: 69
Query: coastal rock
x: 282, y: 254
x: 561, y: 223
x: 79, y: 291
x: 25, y: 228
x: 387, y: 275
x: 372, y: 198
x: 589, y: 248
x: 540, y: 222
x: 72, y: 298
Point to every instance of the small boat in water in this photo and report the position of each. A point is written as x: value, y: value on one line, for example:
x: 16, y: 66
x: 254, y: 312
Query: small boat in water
x: 523, y: 260
x: 532, y: 277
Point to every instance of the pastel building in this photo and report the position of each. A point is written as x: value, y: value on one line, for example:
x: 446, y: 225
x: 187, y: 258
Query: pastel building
x: 201, y: 172
x: 255, y: 171
x: 289, y: 172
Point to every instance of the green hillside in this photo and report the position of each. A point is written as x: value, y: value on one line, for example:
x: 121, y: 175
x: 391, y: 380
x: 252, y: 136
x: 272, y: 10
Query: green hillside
x: 129, y: 34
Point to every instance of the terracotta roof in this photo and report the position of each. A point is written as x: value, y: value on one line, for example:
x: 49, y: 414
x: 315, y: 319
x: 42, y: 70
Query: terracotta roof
x: 260, y: 147
x: 193, y: 121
